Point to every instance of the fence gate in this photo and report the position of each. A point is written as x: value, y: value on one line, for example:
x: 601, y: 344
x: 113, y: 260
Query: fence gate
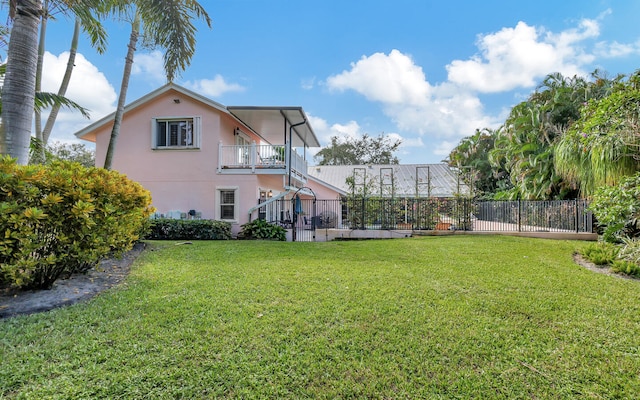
x: 303, y: 228
x: 304, y: 220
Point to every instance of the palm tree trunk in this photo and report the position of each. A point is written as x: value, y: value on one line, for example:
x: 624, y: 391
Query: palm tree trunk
x: 48, y: 127
x: 38, y: 154
x: 18, y: 92
x: 117, y: 120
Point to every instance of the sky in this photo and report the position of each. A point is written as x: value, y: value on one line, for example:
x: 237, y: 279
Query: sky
x: 427, y: 72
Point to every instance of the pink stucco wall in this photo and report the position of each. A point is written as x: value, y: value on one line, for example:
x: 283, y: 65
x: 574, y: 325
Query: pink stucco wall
x: 179, y: 180
x: 183, y: 180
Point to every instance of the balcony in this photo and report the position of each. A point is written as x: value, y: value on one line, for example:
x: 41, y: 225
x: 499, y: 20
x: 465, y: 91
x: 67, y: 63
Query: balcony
x: 261, y: 159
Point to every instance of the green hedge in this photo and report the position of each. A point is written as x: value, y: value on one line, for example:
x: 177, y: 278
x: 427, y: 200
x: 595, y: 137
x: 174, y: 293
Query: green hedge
x: 261, y: 229
x: 64, y: 218
x: 188, y: 229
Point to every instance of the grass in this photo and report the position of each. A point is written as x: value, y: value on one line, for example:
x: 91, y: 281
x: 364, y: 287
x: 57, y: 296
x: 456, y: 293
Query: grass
x: 434, y: 317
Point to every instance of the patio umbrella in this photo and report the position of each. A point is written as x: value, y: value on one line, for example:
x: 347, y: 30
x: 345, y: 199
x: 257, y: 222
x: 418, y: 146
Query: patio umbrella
x: 298, y: 207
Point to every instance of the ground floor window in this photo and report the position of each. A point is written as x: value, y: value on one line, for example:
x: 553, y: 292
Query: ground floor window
x: 227, y: 204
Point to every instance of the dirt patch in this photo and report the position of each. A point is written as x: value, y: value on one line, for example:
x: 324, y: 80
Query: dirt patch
x: 77, y: 288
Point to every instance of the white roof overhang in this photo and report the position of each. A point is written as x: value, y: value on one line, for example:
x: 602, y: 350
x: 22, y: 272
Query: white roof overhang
x: 275, y: 124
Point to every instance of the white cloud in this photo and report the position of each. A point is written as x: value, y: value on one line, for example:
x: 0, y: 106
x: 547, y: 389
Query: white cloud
x: 444, y: 148
x: 214, y: 87
x: 615, y: 49
x: 511, y: 58
x: 308, y: 84
x: 88, y: 87
x: 324, y: 132
x: 392, y: 78
x: 520, y: 56
x: 407, y: 142
x: 352, y: 129
x: 407, y: 98
x: 149, y: 66
x: 349, y: 130
x: 408, y: 145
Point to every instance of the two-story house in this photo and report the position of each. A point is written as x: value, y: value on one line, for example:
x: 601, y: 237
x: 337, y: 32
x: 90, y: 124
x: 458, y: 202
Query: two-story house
x: 199, y: 158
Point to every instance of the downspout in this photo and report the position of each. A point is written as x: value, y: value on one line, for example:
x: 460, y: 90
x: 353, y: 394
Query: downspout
x: 304, y: 121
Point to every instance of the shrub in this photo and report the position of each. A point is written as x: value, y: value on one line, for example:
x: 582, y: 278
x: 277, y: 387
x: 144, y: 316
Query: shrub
x: 261, y: 229
x: 617, y: 209
x: 630, y: 251
x: 184, y: 229
x: 63, y: 218
x: 625, y: 267
x: 600, y: 253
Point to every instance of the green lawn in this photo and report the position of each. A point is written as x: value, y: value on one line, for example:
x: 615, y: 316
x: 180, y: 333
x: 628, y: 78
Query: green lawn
x: 433, y: 317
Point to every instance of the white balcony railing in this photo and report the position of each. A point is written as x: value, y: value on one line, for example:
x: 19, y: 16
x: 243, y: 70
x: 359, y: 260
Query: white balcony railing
x: 255, y: 158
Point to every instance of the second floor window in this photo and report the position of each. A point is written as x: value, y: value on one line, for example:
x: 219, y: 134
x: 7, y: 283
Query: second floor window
x: 176, y: 133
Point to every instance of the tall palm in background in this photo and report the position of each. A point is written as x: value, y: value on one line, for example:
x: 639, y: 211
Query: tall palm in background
x: 471, y: 158
x: 526, y: 144
x: 85, y: 20
x: 167, y: 24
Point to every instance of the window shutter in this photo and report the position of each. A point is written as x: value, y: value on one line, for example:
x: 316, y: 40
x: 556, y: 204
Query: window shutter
x: 197, y: 131
x: 154, y: 136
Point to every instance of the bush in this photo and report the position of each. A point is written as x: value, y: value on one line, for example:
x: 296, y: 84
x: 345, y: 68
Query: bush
x: 63, y: 218
x: 184, y: 229
x: 630, y: 251
x: 625, y: 267
x: 601, y: 253
x: 261, y: 229
x: 624, y: 259
x: 617, y: 209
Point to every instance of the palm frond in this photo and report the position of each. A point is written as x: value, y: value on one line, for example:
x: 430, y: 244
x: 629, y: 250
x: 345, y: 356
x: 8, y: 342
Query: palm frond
x: 45, y: 99
x: 169, y: 25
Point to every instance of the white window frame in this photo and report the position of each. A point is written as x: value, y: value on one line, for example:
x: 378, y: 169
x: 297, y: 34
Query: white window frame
x: 196, y: 132
x: 219, y: 204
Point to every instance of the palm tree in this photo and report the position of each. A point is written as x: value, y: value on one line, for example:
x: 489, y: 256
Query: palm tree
x: 472, y: 155
x: 526, y: 145
x: 163, y: 23
x: 603, y: 146
x: 20, y: 81
x: 18, y: 90
x: 84, y: 20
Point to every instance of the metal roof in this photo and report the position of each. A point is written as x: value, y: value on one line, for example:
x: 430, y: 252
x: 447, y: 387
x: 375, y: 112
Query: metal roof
x: 273, y: 123
x: 409, y: 180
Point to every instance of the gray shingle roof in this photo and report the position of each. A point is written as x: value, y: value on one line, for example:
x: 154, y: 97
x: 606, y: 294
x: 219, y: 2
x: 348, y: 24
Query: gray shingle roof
x: 409, y: 180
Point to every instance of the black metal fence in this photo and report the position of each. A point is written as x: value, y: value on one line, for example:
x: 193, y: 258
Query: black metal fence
x: 531, y: 216
x: 430, y: 214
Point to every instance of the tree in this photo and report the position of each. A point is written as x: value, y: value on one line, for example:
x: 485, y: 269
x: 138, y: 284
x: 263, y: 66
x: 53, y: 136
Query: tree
x: 75, y: 152
x: 358, y: 151
x: 43, y: 100
x: 603, y: 146
x: 84, y: 20
x: 471, y: 157
x: 163, y: 23
x: 18, y: 90
x: 525, y: 144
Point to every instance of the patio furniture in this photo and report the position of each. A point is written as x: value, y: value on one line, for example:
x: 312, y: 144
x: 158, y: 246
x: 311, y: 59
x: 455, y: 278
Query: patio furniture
x: 308, y: 223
